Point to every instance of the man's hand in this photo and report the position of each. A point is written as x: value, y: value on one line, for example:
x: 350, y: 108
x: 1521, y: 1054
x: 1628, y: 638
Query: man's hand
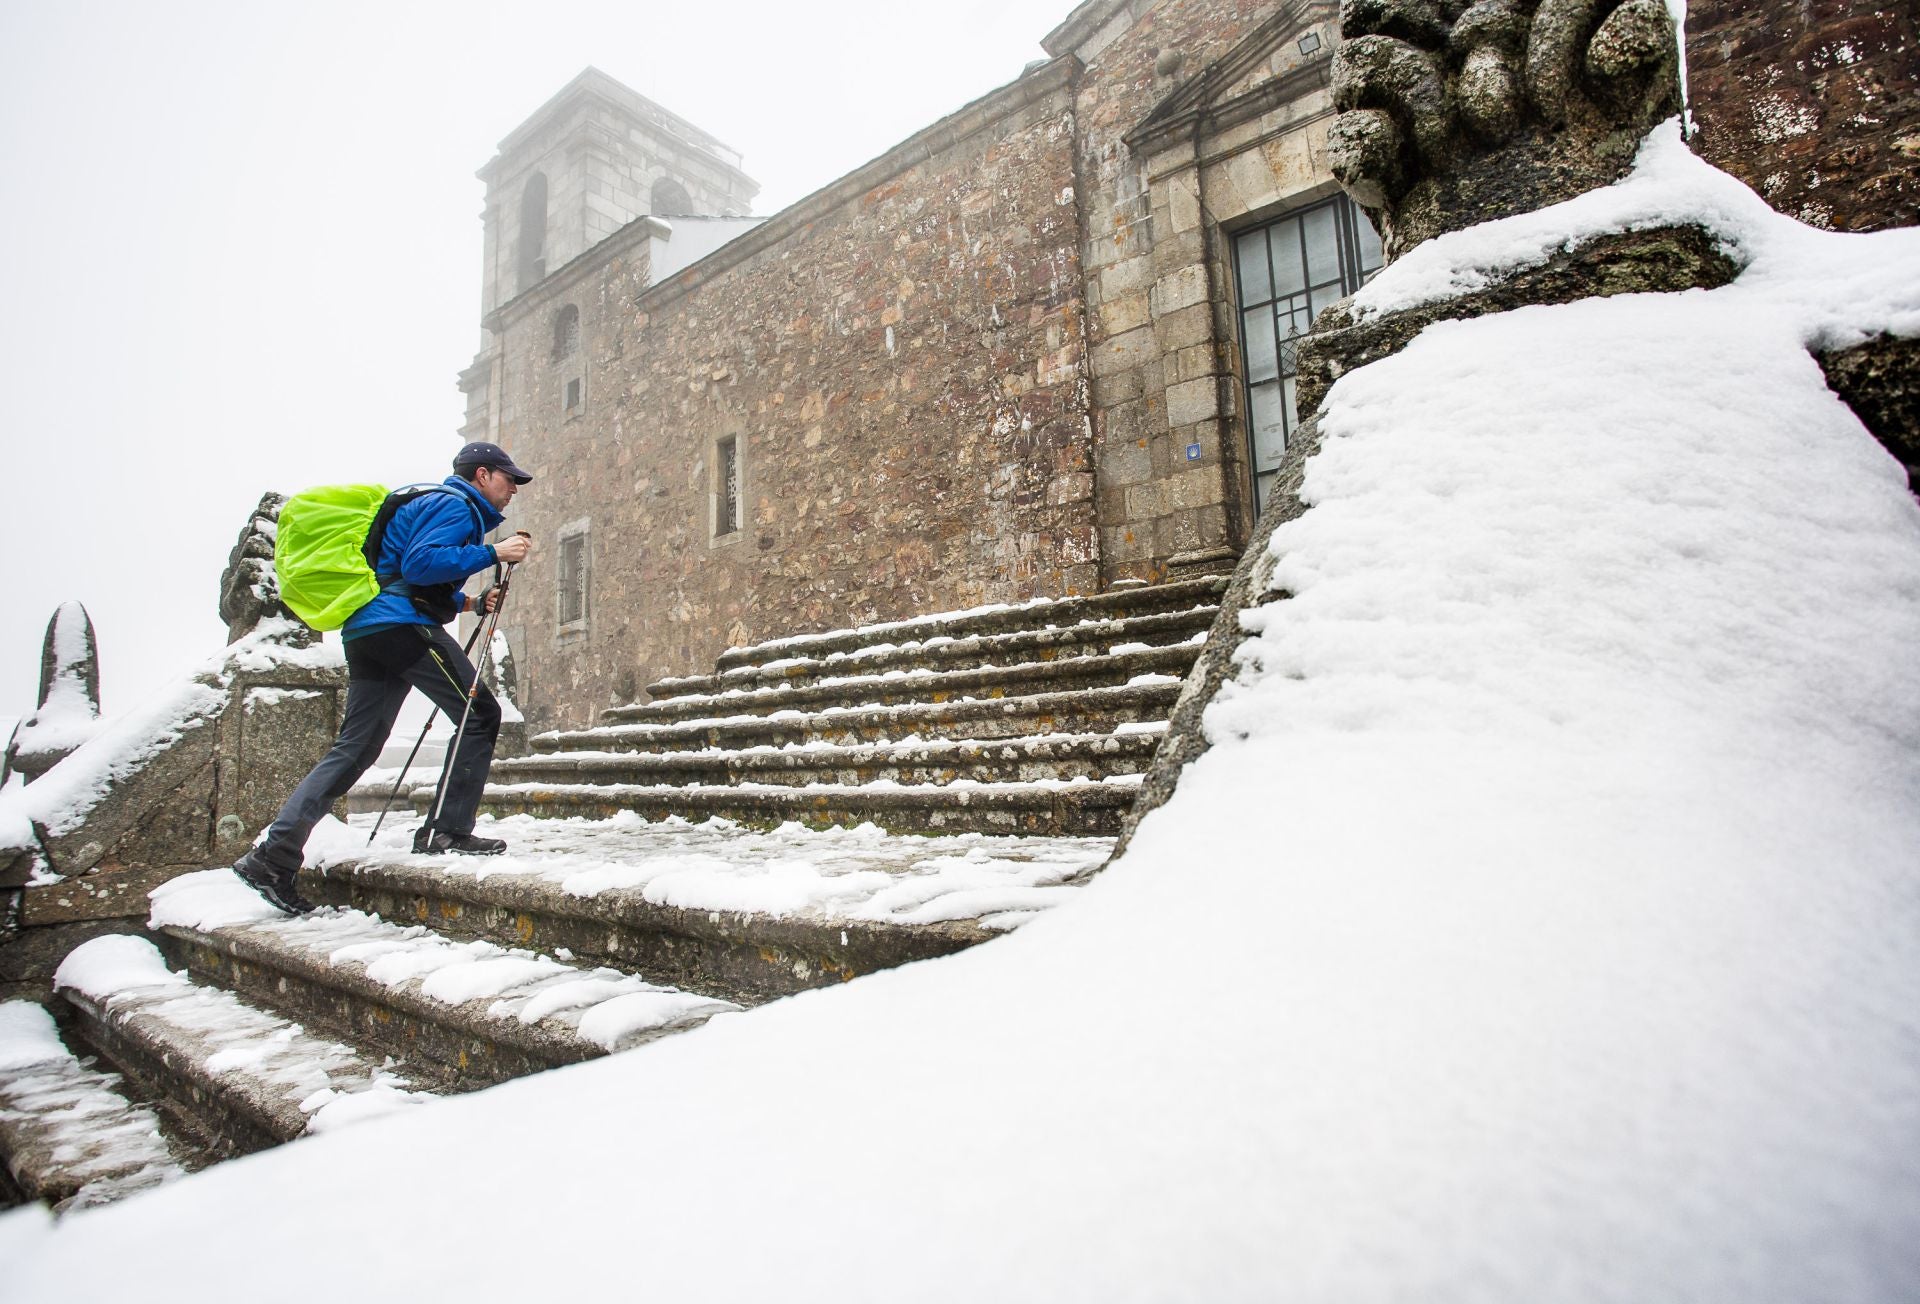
x: 488, y: 600
x: 513, y: 550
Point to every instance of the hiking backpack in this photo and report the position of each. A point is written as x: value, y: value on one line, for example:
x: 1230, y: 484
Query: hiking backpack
x: 328, y: 543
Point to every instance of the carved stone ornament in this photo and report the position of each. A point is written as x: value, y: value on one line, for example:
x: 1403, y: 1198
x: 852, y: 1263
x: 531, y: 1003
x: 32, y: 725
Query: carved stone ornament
x: 249, y: 591
x: 1455, y: 113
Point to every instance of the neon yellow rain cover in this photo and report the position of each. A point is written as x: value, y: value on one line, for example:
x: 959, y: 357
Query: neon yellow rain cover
x: 323, y: 575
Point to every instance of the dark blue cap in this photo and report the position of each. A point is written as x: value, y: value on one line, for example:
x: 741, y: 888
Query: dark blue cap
x: 481, y: 453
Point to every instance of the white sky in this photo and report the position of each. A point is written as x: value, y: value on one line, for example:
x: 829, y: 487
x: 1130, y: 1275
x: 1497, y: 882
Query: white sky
x: 242, y: 246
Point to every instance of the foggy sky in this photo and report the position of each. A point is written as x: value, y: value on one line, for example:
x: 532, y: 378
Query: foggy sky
x: 242, y: 246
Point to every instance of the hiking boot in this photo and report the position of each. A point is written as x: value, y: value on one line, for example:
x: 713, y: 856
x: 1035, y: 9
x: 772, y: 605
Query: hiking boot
x: 276, y: 885
x: 460, y: 844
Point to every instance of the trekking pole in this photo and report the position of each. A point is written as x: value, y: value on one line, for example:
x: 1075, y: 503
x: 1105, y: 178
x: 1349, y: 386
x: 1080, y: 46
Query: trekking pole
x: 398, y: 783
x: 473, y: 690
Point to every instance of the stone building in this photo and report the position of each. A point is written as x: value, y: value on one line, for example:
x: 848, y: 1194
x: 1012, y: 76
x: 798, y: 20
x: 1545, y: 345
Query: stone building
x: 1041, y: 347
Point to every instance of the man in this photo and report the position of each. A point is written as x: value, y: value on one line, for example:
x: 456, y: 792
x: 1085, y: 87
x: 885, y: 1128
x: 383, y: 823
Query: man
x: 431, y: 546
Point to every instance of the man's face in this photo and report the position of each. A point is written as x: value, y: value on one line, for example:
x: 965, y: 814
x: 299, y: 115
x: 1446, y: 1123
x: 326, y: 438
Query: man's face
x: 497, y: 487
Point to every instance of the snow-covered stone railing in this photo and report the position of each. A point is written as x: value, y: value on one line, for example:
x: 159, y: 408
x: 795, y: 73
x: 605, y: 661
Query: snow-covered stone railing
x: 69, y: 701
x: 185, y: 780
x: 1673, y: 224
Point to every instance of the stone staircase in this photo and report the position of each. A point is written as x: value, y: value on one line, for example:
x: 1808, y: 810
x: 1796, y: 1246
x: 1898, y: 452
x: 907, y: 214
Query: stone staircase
x: 944, y: 778
x: 1035, y: 719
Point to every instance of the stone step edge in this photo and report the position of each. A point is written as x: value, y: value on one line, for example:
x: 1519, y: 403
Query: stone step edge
x: 60, y: 1157
x: 909, y: 717
x: 726, y: 767
x: 542, y: 1042
x: 1011, y: 646
x: 152, y: 1052
x: 1038, y: 747
x: 1176, y: 660
x: 1087, y: 809
x: 1067, y: 610
x: 851, y: 946
x: 1114, y: 790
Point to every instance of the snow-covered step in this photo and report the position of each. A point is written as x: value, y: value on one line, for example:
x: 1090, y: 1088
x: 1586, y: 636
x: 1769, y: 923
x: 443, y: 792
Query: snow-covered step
x: 945, y: 652
x: 713, y: 906
x: 1088, y: 711
x: 1036, y: 614
x: 1055, y: 808
x: 1146, y: 664
x: 1007, y: 760
x: 235, y: 1076
x: 69, y: 1136
x: 467, y: 1013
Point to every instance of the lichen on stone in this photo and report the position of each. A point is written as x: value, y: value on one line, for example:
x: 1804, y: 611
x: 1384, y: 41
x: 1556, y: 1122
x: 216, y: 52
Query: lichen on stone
x: 1457, y: 113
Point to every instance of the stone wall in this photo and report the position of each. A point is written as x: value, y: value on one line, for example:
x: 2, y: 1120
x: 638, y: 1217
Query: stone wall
x: 1813, y: 103
x: 1163, y: 347
x: 900, y: 363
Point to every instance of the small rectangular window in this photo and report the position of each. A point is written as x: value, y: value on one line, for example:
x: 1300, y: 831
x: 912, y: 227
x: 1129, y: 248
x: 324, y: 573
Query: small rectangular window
x: 573, y: 579
x: 728, y: 515
x: 573, y: 394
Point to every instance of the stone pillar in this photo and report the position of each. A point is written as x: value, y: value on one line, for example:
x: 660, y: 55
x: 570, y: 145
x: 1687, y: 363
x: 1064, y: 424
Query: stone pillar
x: 69, y: 703
x: 1197, y: 490
x: 1122, y: 351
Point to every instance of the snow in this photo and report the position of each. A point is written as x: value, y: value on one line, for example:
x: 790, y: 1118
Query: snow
x: 1838, y: 295
x: 69, y: 716
x: 28, y: 1037
x: 519, y: 985
x: 60, y: 800
x: 499, y: 652
x: 108, y: 966
x: 862, y: 873
x: 52, y: 1104
x: 259, y: 697
x: 1542, y: 925
x: 207, y: 900
x: 267, y: 648
x: 332, y: 1083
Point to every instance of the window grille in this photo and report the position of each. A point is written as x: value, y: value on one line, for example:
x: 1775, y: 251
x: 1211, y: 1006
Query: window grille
x: 728, y: 516
x: 1285, y: 272
x: 573, y: 579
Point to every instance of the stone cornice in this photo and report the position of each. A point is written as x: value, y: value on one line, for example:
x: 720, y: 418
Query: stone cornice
x: 593, y: 85
x: 1192, y: 107
x: 1032, y: 88
x: 1079, y: 25
x: 575, y: 270
x: 1209, y: 118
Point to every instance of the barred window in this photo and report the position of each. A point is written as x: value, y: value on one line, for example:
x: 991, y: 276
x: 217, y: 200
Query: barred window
x: 573, y: 579
x: 1285, y: 273
x: 727, y: 510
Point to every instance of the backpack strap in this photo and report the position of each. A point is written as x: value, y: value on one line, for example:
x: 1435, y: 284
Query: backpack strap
x: 377, y: 531
x: 435, y: 601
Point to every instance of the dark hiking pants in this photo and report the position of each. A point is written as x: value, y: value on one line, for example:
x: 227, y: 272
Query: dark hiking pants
x: 381, y: 667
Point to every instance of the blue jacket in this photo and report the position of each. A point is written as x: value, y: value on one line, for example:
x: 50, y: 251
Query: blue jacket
x: 433, y: 539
